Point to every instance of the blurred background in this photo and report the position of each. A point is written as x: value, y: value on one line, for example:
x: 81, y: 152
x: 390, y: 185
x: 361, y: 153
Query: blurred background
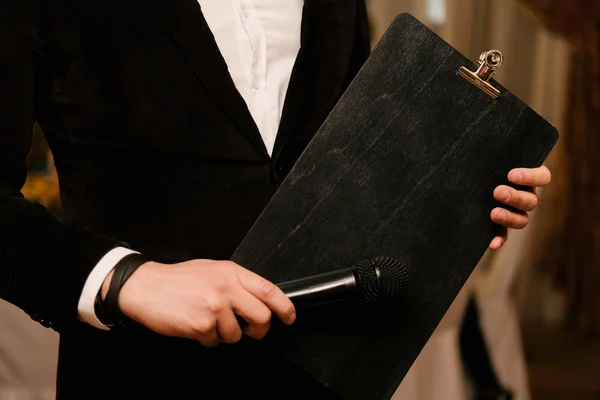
x: 527, y: 324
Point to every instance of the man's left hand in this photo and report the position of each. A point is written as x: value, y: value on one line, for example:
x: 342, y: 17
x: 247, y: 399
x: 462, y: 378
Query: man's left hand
x: 525, y: 201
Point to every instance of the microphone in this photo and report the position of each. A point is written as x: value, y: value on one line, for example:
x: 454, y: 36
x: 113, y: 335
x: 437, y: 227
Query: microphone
x: 367, y: 282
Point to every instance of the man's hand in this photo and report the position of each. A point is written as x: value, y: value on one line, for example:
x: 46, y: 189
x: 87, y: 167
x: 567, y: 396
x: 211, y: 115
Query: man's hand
x: 199, y: 300
x: 526, y: 201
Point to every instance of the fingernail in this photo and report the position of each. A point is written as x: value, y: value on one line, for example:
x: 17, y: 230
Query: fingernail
x: 517, y: 177
x: 502, y: 216
x: 505, y: 195
x: 293, y: 318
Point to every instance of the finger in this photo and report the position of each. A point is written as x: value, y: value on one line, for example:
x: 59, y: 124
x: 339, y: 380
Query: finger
x: 522, y: 200
x: 499, y: 241
x: 228, y: 328
x: 496, y: 243
x: 536, y: 177
x: 269, y: 294
x: 509, y: 219
x: 206, y: 333
x: 255, y: 313
x: 257, y: 332
x: 209, y: 340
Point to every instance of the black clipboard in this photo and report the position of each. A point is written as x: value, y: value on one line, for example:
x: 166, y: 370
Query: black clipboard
x: 404, y: 167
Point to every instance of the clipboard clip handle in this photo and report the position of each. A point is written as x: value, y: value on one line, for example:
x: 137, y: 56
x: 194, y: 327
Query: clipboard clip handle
x: 489, y: 62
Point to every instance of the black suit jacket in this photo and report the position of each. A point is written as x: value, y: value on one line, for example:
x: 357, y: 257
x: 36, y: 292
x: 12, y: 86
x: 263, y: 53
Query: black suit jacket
x: 157, y: 151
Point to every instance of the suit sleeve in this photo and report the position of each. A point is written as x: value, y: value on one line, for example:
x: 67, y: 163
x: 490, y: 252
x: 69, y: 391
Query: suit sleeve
x: 44, y: 262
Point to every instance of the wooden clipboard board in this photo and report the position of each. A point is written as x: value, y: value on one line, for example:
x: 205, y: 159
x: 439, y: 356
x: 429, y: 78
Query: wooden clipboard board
x: 404, y: 167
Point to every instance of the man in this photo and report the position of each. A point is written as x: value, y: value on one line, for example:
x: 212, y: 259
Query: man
x: 172, y: 123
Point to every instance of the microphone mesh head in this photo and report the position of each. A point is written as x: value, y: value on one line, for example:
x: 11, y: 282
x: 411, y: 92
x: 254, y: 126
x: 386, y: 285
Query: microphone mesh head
x: 380, y: 278
x: 368, y: 283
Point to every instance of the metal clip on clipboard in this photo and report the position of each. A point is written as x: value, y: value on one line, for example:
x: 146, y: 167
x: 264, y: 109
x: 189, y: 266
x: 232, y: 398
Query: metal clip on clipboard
x: 489, y: 62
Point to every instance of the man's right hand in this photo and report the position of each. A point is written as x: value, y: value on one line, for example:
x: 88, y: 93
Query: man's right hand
x: 199, y: 300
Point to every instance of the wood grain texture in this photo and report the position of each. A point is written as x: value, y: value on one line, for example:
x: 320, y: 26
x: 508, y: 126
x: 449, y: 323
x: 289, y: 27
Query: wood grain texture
x: 404, y: 167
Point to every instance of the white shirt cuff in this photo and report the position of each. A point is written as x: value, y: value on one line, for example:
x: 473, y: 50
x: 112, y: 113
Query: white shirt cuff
x: 94, y: 282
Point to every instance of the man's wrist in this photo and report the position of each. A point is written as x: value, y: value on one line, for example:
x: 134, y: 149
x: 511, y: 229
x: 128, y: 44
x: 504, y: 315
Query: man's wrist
x: 112, y: 285
x: 89, y: 295
x: 106, y: 285
x: 101, y: 312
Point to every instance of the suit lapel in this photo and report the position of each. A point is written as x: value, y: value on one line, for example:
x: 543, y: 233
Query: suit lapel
x: 311, y: 38
x: 319, y: 74
x: 185, y: 22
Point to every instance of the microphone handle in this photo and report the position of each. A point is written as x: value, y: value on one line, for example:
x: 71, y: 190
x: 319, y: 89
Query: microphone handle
x: 320, y: 289
x: 323, y: 288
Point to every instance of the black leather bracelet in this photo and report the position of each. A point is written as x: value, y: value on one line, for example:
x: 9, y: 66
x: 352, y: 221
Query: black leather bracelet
x: 121, y: 273
x: 99, y: 310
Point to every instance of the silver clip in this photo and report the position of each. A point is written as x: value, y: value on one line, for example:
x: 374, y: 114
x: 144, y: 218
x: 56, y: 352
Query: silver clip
x: 489, y: 62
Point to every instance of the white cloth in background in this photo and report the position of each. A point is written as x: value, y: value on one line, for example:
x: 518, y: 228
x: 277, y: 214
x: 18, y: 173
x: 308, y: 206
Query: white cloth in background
x: 28, y: 357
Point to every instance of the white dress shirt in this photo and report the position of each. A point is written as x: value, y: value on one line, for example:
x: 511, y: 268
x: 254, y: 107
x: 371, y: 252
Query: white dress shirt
x: 259, y: 40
